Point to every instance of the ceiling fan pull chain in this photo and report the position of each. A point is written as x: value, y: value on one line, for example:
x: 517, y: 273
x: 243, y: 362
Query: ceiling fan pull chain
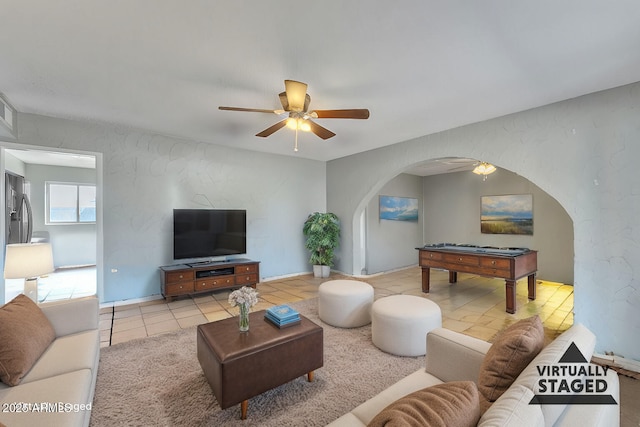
x: 295, y: 146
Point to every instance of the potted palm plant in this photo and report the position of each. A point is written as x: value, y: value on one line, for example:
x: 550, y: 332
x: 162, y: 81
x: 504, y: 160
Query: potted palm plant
x: 322, y: 231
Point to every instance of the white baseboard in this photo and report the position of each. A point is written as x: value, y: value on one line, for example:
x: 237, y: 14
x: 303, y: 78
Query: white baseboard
x: 262, y: 280
x: 358, y: 276
x: 364, y: 276
x: 157, y: 297
x: 286, y: 276
x: 131, y: 301
x: 619, y: 361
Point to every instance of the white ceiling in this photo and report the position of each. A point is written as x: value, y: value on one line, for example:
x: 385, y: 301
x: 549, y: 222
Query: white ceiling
x: 41, y: 157
x: 419, y: 66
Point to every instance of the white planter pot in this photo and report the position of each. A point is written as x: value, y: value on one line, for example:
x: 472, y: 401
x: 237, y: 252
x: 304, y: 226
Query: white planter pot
x: 321, y: 271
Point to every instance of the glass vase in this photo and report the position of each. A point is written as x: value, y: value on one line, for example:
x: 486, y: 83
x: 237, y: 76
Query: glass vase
x: 244, y: 317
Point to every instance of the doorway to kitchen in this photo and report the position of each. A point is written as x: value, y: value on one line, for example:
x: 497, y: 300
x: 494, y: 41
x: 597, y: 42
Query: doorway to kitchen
x: 61, y: 189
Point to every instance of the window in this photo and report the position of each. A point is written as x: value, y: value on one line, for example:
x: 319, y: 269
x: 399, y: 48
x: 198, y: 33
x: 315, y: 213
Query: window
x: 69, y: 203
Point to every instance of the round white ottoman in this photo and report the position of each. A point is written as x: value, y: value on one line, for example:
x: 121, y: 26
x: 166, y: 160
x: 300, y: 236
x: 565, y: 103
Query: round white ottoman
x: 399, y: 324
x: 345, y: 303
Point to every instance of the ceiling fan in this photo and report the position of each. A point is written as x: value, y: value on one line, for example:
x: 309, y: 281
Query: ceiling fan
x: 295, y: 104
x: 476, y: 166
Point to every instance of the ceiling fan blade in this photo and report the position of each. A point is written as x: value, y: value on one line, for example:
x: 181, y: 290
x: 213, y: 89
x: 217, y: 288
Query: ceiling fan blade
x: 251, y: 110
x: 323, y: 133
x: 268, y: 131
x: 284, y: 101
x: 296, y: 94
x: 307, y: 101
x: 361, y: 113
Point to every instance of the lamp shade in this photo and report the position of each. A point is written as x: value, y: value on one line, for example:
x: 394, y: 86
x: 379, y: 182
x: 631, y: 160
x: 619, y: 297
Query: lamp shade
x: 27, y: 260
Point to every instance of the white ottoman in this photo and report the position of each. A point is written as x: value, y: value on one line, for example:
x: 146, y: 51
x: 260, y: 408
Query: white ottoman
x: 399, y: 324
x: 345, y: 303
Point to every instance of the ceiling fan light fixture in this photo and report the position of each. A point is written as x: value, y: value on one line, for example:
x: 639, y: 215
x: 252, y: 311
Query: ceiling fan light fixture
x: 484, y: 169
x: 304, y: 126
x: 300, y: 124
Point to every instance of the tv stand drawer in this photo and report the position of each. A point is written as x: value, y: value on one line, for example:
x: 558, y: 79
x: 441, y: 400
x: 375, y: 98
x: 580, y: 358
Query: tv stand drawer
x: 244, y: 269
x: 246, y: 279
x: 179, y: 276
x: 214, y: 283
x: 179, y: 288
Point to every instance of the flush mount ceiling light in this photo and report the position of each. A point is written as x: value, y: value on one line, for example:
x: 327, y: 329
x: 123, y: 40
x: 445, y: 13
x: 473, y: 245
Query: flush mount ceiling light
x: 484, y: 169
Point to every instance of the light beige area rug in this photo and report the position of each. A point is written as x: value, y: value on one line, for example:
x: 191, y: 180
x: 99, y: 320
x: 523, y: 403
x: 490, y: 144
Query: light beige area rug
x: 158, y: 381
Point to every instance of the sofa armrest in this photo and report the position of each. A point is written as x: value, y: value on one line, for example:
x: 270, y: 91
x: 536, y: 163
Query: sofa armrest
x: 452, y: 356
x: 72, y: 315
x: 595, y: 415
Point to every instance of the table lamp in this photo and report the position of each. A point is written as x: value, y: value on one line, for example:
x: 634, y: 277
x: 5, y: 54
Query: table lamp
x: 28, y: 261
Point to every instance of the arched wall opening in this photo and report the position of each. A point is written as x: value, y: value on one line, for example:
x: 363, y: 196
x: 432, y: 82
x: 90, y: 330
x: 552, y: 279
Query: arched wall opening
x: 582, y: 152
x: 449, y: 211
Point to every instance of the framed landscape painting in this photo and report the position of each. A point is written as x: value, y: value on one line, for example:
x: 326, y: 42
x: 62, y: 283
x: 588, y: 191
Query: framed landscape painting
x: 511, y: 214
x: 398, y: 208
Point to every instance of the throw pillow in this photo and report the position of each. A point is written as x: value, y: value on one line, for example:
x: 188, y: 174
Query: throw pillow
x: 444, y: 405
x: 25, y: 333
x: 513, y: 349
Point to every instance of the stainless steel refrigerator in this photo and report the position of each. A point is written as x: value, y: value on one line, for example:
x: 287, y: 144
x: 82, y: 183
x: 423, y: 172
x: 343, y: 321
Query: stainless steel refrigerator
x: 17, y: 210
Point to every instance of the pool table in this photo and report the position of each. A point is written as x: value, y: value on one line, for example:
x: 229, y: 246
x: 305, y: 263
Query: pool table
x: 510, y: 264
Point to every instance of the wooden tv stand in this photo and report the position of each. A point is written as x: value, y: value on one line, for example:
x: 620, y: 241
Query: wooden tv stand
x: 187, y: 279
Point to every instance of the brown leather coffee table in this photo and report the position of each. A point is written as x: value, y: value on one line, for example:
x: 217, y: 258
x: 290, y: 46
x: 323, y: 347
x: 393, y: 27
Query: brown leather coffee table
x: 241, y: 365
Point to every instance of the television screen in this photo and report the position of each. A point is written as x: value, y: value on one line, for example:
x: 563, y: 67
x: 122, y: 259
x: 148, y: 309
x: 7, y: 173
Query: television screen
x: 199, y: 233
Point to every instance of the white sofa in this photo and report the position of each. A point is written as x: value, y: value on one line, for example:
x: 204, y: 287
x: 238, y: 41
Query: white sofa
x: 452, y: 356
x: 59, y: 388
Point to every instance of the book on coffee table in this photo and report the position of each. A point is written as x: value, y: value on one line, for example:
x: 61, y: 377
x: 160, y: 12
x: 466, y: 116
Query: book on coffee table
x: 281, y: 325
x: 283, y: 313
x: 282, y: 316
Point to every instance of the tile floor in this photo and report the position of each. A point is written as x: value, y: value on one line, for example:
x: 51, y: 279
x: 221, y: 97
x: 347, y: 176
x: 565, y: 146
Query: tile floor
x: 64, y: 283
x: 474, y: 306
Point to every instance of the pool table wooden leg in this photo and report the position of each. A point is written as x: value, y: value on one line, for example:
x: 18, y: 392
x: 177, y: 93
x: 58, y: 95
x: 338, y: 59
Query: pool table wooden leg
x: 425, y: 279
x: 531, y: 280
x: 510, y: 290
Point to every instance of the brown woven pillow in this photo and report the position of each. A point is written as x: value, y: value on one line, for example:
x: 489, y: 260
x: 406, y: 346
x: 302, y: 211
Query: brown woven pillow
x: 450, y: 404
x: 25, y: 333
x: 513, y: 349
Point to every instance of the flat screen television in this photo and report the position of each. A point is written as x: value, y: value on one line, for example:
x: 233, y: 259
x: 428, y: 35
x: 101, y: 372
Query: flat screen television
x: 200, y: 233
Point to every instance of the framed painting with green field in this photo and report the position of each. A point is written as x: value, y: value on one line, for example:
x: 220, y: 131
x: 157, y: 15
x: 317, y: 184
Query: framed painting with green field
x: 509, y: 214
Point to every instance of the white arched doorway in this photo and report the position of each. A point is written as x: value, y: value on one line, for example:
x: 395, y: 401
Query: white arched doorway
x: 450, y: 212
x: 579, y: 151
